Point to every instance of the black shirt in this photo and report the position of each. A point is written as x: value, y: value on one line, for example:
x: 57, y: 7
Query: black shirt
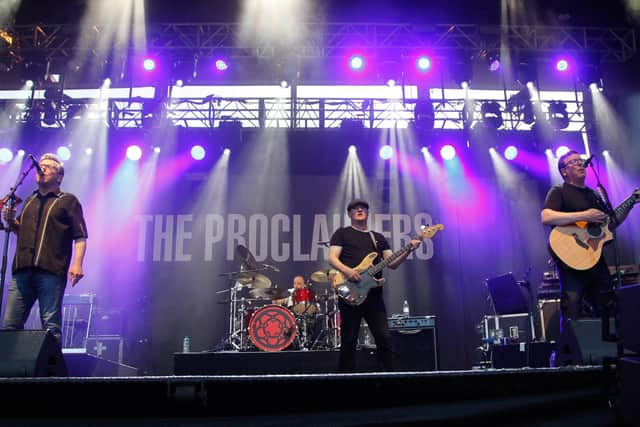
x: 48, y: 226
x: 570, y: 198
x: 356, y: 244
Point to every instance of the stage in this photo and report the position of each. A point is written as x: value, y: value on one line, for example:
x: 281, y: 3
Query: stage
x: 541, y: 396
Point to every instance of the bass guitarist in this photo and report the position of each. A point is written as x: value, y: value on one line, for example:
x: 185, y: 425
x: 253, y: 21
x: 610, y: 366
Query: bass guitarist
x: 348, y: 247
x: 580, y: 213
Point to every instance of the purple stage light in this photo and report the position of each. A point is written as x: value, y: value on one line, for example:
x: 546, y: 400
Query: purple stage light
x: 64, y: 153
x: 511, y: 152
x: 423, y: 63
x: 6, y: 155
x: 561, y: 151
x: 448, y: 152
x: 197, y: 152
x: 134, y: 152
x: 221, y: 65
x: 386, y: 152
x: 149, y: 64
x: 356, y: 62
x: 562, y: 65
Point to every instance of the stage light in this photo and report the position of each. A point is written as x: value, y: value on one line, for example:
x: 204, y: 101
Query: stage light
x: 226, y: 151
x: 424, y: 151
x: 64, y: 153
x: 134, y: 152
x: 149, y: 64
x: 352, y: 149
x: 356, y: 63
x: 179, y: 83
x: 21, y: 152
x: 491, y: 114
x: 284, y: 84
x: 557, y: 115
x: 221, y: 65
x: 511, y: 152
x: 423, y: 63
x: 157, y: 149
x: 391, y: 82
x: 561, y: 151
x: 386, y: 152
x: 448, y: 152
x: 5, y: 155
x: 562, y: 65
x: 197, y: 152
x: 88, y: 151
x: 423, y: 114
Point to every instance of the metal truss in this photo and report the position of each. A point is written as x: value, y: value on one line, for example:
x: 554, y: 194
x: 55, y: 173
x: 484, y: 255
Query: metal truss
x: 601, y: 44
x: 452, y: 109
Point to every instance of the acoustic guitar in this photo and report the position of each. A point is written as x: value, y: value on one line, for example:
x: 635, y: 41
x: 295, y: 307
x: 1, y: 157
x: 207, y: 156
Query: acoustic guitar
x: 579, y: 245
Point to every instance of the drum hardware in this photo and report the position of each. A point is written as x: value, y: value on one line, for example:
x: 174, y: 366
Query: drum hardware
x: 323, y: 276
x: 269, y: 293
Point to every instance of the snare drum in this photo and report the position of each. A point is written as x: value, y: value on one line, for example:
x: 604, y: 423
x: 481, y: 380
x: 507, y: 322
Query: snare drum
x: 272, y: 328
x: 304, y: 301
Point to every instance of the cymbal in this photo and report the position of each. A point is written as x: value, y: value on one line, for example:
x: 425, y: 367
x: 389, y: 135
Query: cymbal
x: 254, y: 280
x: 323, y: 276
x: 246, y: 258
x: 270, y: 293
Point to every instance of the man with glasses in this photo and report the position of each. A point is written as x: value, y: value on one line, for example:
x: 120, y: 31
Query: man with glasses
x: 49, y: 251
x: 582, y: 291
x: 348, y: 247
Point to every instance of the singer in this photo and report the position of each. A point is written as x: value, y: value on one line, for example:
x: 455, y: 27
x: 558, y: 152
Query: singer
x: 566, y: 204
x: 50, y: 249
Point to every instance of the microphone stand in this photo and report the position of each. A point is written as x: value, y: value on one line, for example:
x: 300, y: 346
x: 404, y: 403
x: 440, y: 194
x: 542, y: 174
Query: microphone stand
x: 527, y: 284
x: 10, y: 201
x: 610, y: 305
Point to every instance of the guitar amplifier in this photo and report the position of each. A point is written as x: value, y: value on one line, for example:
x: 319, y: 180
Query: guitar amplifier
x: 416, y: 322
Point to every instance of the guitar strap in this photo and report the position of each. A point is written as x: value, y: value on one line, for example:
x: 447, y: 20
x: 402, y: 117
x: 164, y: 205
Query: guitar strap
x: 375, y: 244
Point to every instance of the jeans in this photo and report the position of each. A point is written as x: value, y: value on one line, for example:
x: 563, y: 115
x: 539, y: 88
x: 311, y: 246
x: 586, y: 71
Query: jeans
x: 28, y: 286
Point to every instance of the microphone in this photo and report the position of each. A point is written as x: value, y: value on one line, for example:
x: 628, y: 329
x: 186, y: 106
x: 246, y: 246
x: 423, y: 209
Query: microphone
x: 587, y: 162
x: 36, y: 165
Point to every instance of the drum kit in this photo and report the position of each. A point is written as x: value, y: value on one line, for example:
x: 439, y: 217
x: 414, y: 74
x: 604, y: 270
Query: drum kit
x: 265, y: 317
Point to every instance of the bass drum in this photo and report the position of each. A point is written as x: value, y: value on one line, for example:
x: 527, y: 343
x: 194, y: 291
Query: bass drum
x: 272, y: 328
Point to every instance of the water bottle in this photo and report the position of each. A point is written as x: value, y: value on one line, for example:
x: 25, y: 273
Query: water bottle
x: 405, y: 308
x: 186, y: 345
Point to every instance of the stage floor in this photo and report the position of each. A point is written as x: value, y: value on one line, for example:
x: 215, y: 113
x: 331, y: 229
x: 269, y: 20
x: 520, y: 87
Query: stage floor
x: 528, y: 396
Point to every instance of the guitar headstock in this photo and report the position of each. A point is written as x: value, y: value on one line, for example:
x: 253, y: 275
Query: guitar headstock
x: 427, y: 232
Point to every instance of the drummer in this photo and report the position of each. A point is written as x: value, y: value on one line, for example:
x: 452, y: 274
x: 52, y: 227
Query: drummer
x: 299, y: 282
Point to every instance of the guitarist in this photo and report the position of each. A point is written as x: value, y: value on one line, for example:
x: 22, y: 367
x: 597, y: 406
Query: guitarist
x: 349, y: 245
x: 565, y: 204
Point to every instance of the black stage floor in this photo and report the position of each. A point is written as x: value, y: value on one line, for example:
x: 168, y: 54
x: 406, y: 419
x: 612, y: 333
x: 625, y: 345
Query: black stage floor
x: 527, y: 397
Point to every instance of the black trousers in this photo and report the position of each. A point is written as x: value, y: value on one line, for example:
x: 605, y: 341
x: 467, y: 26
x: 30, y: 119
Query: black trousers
x: 374, y: 313
x: 583, y: 292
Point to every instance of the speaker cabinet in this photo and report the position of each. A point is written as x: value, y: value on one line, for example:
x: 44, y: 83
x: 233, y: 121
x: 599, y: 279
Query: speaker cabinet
x: 414, y: 349
x: 628, y: 300
x: 30, y: 353
x: 549, y: 310
x: 581, y: 343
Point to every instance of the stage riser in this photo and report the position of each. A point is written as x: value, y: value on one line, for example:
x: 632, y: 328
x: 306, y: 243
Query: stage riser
x: 296, y: 362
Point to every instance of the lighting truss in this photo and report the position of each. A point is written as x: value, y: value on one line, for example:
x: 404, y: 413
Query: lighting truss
x: 264, y: 111
x: 603, y: 44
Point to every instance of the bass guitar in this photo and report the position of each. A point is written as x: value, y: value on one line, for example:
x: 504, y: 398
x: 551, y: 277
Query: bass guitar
x: 579, y: 245
x: 354, y: 293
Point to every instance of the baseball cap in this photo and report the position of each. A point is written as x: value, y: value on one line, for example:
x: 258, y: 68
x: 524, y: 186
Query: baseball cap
x: 357, y: 202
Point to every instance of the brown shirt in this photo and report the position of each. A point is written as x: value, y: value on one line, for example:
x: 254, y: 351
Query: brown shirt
x: 48, y: 226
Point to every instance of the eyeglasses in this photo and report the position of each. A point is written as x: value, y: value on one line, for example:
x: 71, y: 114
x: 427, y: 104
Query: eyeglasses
x: 51, y: 168
x: 577, y: 162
